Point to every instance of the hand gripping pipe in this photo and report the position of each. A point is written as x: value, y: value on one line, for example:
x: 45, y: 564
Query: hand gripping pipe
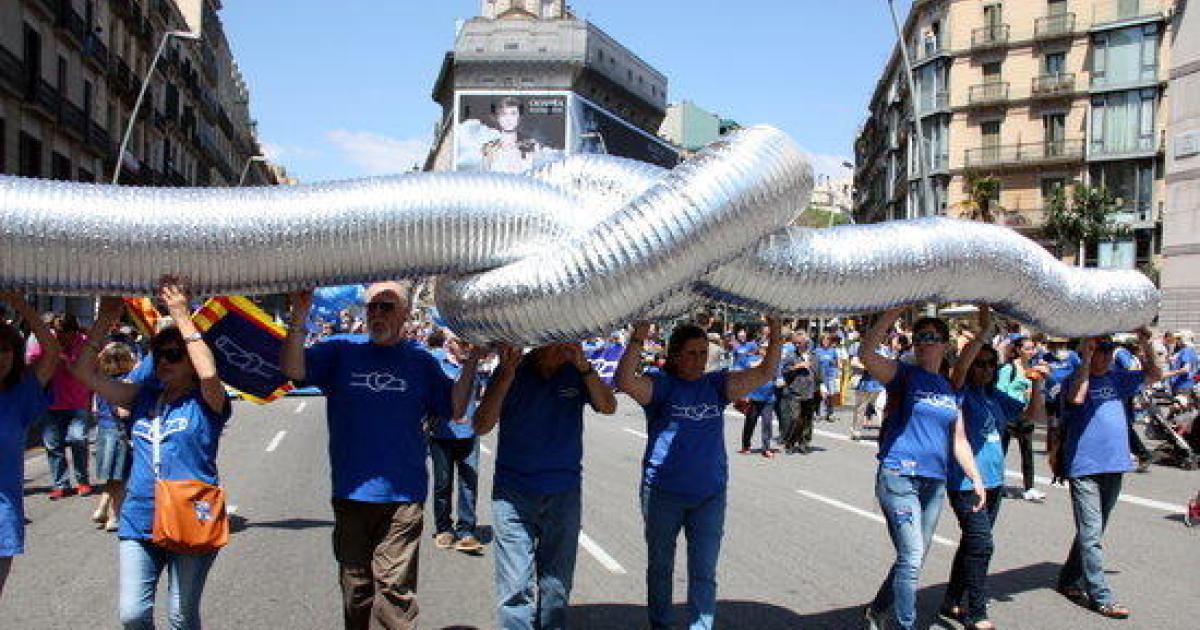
x: 574, y: 249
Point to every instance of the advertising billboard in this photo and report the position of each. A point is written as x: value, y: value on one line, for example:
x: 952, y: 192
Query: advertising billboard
x: 509, y: 132
x: 595, y: 130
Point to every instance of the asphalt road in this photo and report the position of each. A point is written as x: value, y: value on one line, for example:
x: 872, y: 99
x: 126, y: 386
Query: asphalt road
x: 804, y: 547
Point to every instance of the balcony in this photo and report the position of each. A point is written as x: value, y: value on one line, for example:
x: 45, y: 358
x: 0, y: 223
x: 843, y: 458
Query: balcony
x: 1114, y: 14
x: 928, y: 51
x: 12, y: 72
x: 99, y: 139
x: 989, y: 93
x: 1054, y: 26
x: 1053, y: 85
x: 96, y: 53
x: 72, y: 118
x: 1127, y: 148
x: 934, y: 103
x: 1021, y: 155
x: 122, y: 79
x: 43, y: 98
x: 989, y: 36
x: 940, y: 165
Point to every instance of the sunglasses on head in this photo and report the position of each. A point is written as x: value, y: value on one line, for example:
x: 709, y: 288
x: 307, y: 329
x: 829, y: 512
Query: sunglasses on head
x: 928, y: 337
x: 170, y: 355
x: 381, y: 307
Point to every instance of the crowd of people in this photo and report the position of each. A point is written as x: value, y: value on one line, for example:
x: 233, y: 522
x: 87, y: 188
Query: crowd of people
x: 946, y: 401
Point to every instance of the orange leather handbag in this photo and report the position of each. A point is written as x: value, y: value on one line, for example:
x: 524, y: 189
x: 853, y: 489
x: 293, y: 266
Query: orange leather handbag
x: 189, y: 515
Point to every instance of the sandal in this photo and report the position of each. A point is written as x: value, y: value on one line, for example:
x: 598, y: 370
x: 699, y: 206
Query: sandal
x: 1112, y: 611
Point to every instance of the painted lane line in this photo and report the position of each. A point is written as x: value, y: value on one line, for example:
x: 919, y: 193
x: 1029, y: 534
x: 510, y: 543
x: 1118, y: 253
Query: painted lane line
x: 878, y: 518
x: 600, y: 555
x: 275, y: 441
x: 485, y: 449
x: 301, y: 406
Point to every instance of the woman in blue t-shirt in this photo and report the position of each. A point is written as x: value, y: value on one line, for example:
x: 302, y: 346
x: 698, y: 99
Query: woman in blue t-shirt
x: 922, y: 427
x: 23, y: 399
x: 987, y: 410
x: 181, y: 414
x: 685, y: 468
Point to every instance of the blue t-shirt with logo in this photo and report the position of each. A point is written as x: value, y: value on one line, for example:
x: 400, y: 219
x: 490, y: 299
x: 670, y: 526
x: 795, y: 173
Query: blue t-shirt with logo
x: 187, y: 432
x: 540, y: 446
x: 685, y: 448
x: 1181, y: 359
x: 917, y: 432
x: 377, y: 398
x: 20, y: 406
x: 829, y: 360
x: 744, y: 355
x: 447, y: 428
x: 1061, y: 369
x: 986, y: 413
x: 1096, y: 433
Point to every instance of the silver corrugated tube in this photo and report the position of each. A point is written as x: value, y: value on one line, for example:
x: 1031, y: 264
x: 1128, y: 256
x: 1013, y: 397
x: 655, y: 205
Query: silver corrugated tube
x: 577, y: 248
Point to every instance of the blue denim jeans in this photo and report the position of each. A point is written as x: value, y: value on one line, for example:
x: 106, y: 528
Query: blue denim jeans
x: 1092, y: 499
x: 968, y: 574
x: 449, y: 456
x: 536, y: 539
x: 911, y: 506
x: 62, y: 429
x: 703, y: 523
x: 141, y: 563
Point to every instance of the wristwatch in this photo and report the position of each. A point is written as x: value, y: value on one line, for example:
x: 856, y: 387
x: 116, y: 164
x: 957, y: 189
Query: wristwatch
x: 196, y: 336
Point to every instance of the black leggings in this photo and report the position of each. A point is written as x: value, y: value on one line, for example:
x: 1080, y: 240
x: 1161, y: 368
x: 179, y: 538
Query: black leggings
x: 1024, y: 435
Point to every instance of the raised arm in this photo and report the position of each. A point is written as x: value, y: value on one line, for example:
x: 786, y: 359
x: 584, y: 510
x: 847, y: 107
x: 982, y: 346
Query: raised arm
x: 45, y: 365
x: 85, y: 369
x: 638, y: 386
x: 742, y: 383
x: 487, y: 414
x: 291, y: 356
x: 881, y: 368
x: 962, y: 367
x: 464, y: 387
x: 1077, y: 393
x: 174, y: 296
x: 601, y: 396
x: 1035, y: 411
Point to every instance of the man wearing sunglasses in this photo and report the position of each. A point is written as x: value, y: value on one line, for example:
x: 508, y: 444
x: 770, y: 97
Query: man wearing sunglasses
x: 1095, y: 456
x: 379, y: 389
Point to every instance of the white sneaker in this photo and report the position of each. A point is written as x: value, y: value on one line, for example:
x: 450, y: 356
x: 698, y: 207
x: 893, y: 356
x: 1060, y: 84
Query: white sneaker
x: 1035, y: 495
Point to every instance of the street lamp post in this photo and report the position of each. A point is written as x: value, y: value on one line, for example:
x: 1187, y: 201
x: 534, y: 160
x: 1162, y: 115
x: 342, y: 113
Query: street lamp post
x: 246, y: 167
x: 142, y: 94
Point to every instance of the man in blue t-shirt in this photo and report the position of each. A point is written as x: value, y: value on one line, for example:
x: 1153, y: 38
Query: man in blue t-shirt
x: 538, y: 402
x: 829, y: 356
x: 1095, y: 456
x: 379, y: 389
x: 453, y: 446
x: 1181, y: 373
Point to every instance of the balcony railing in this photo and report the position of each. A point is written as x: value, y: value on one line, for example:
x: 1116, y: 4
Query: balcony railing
x: 1108, y: 13
x: 928, y: 50
x: 73, y: 119
x: 1051, y: 26
x: 1053, y: 84
x: 1027, y: 154
x: 100, y: 140
x: 1141, y: 146
x: 988, y: 93
x: 96, y: 52
x: 990, y: 36
x: 43, y: 97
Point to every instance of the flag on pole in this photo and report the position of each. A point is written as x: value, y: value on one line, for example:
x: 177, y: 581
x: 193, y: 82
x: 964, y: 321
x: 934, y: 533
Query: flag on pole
x: 144, y: 315
x: 246, y: 344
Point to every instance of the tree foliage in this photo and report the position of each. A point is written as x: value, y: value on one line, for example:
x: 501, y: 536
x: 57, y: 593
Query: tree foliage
x: 981, y: 202
x: 1086, y: 218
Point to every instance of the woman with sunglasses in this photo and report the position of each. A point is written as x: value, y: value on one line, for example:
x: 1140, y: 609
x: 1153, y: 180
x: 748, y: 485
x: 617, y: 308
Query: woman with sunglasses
x: 183, y: 409
x: 23, y: 399
x: 920, y: 424
x: 987, y: 410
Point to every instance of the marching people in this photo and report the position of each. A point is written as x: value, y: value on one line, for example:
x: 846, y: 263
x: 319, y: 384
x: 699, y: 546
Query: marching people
x: 378, y: 389
x: 922, y: 428
x: 1014, y: 379
x: 799, y: 397
x: 65, y: 428
x: 760, y: 412
x: 987, y: 411
x: 23, y: 400
x: 178, y: 418
x: 537, y: 401
x: 1093, y: 456
x: 685, y: 469
x: 112, y: 439
x: 829, y: 357
x: 453, y: 446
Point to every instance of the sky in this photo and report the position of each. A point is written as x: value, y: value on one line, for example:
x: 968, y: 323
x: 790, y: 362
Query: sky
x: 341, y: 88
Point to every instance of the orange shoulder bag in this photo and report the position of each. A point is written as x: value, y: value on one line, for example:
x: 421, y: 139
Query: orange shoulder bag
x: 189, y: 515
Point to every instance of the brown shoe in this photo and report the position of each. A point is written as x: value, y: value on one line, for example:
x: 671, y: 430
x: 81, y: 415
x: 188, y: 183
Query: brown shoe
x: 469, y: 544
x: 444, y: 540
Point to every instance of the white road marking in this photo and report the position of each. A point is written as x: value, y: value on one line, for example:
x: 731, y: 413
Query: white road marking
x: 863, y: 513
x: 485, y: 449
x: 275, y: 441
x: 301, y: 406
x: 634, y: 432
x: 600, y: 555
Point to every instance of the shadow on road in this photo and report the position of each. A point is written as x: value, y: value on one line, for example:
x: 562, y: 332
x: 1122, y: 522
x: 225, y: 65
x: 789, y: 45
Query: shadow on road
x: 239, y: 523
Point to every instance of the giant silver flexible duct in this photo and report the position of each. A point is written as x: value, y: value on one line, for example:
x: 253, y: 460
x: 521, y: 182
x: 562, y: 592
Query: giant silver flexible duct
x: 575, y: 249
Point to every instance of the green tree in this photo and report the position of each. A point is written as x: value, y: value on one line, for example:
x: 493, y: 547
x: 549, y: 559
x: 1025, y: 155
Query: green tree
x: 1083, y: 220
x: 815, y: 217
x: 982, y: 202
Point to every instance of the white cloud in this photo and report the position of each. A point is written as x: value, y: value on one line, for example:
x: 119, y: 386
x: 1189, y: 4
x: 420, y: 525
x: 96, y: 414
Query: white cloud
x: 831, y: 165
x: 376, y: 154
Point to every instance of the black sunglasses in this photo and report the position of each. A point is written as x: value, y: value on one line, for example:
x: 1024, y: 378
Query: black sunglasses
x: 382, y: 307
x: 928, y: 337
x: 170, y: 355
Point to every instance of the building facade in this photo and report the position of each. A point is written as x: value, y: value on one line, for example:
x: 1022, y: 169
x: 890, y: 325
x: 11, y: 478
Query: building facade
x: 1181, y: 218
x: 1039, y: 94
x: 582, y: 89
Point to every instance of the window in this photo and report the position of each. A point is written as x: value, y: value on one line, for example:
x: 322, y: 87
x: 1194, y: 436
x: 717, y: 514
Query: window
x: 62, y: 76
x: 512, y: 46
x: 1125, y: 56
x: 991, y: 72
x: 1130, y: 182
x: 1050, y: 187
x: 1123, y: 122
x: 87, y: 100
x: 1054, y: 127
x: 30, y: 150
x: 86, y: 175
x: 60, y: 166
x: 33, y: 52
x: 1056, y: 7
x: 1055, y: 64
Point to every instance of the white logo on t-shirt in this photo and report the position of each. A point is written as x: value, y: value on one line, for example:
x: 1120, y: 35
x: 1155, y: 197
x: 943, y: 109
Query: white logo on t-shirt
x: 935, y: 399
x: 1104, y: 392
x: 699, y: 412
x: 378, y: 381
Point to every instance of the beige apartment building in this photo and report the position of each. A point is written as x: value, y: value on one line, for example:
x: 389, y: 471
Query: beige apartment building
x: 1039, y: 94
